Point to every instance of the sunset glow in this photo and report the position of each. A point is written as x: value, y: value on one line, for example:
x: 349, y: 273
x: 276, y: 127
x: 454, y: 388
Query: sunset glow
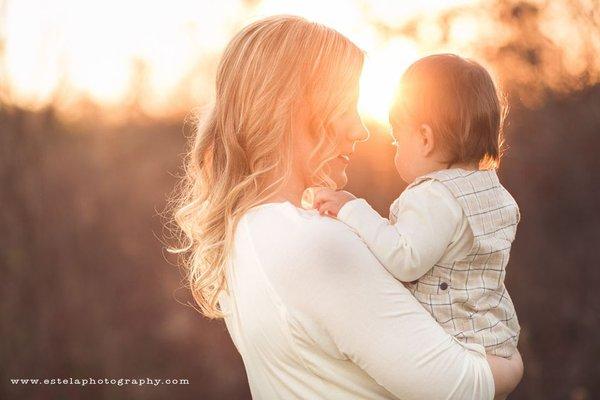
x: 381, y: 74
x: 105, y: 51
x: 90, y: 49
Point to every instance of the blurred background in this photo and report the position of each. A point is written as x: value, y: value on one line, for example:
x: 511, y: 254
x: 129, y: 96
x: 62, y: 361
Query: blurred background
x: 97, y: 99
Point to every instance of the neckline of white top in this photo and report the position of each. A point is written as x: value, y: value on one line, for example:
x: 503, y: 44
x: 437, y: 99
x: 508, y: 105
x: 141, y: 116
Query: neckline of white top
x: 273, y: 204
x: 286, y: 204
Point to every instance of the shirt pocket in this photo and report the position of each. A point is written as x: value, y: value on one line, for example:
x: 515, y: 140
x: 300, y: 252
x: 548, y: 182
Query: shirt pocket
x: 430, y: 285
x: 434, y: 294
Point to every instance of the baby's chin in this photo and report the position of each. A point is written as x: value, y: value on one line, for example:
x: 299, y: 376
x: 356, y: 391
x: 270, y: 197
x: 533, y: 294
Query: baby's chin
x: 406, y: 178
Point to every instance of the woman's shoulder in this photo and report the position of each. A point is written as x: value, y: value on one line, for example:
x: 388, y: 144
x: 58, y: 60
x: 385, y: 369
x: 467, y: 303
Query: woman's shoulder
x: 286, y: 219
x: 303, y: 253
x: 297, y: 234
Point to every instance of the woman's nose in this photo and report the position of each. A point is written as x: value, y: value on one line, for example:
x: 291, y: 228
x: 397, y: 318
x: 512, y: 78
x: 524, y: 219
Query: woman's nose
x: 360, y: 133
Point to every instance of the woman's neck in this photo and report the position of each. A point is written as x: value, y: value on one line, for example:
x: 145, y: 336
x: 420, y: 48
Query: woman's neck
x: 291, y: 191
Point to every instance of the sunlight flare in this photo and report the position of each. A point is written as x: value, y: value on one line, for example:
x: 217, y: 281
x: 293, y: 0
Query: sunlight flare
x: 102, y: 50
x: 381, y: 74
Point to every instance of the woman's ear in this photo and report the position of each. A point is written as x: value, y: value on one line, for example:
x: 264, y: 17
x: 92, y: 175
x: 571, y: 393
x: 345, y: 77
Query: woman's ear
x: 427, y: 140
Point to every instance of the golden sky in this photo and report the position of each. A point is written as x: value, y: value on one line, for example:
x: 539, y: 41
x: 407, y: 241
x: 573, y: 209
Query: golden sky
x: 89, y: 48
x: 77, y: 48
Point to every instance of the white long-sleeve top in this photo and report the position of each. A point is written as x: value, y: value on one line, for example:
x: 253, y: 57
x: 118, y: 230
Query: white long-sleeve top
x: 426, y: 225
x: 314, y: 315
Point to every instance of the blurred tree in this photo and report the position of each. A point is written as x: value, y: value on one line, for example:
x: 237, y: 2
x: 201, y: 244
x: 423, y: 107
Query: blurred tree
x: 536, y: 47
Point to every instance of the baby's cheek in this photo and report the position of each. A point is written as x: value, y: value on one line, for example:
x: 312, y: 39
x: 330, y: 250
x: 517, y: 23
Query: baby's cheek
x: 403, y: 166
x: 398, y: 160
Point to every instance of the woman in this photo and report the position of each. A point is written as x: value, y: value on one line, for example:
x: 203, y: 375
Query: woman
x: 309, y: 308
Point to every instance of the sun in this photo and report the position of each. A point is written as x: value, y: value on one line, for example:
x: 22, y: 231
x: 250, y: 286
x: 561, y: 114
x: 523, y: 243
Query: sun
x: 67, y: 47
x: 381, y: 73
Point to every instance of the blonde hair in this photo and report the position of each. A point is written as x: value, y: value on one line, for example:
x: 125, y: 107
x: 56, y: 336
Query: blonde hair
x: 457, y: 97
x: 241, y: 155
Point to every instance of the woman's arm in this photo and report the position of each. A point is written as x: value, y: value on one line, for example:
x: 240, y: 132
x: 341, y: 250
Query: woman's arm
x: 507, y: 373
x: 335, y: 281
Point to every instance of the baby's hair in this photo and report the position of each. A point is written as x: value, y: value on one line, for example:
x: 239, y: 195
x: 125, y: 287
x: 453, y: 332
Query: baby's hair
x: 457, y: 98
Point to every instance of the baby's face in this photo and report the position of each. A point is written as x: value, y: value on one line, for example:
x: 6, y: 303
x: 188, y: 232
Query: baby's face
x: 409, y: 159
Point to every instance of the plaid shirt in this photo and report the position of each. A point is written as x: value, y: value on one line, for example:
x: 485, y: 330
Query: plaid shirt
x: 467, y: 296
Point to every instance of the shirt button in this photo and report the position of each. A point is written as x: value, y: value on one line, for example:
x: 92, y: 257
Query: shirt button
x: 443, y: 286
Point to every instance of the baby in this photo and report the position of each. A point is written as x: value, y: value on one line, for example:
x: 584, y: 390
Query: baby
x: 449, y: 234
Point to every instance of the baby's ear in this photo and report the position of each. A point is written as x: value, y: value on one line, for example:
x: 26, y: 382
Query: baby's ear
x: 427, y: 140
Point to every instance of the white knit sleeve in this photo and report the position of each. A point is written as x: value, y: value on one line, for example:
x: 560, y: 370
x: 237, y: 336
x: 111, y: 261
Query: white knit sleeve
x: 333, y: 280
x: 426, y: 220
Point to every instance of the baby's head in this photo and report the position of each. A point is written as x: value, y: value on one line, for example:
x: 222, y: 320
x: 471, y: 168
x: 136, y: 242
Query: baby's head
x: 447, y: 113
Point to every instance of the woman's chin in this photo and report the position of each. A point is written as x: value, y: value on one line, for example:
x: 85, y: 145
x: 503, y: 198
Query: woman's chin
x: 337, y: 172
x: 340, y: 179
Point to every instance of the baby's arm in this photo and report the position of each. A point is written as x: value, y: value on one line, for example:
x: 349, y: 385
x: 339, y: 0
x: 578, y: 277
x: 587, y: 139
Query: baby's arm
x: 427, y: 220
x: 329, y: 202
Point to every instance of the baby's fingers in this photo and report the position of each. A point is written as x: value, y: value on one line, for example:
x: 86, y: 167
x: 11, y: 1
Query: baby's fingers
x: 323, y: 194
x: 327, y: 208
x: 309, y: 197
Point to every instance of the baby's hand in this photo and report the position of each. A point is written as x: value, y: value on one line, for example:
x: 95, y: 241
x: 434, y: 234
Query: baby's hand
x: 329, y: 202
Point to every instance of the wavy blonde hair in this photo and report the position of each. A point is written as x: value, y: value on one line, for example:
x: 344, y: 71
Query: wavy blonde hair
x: 241, y: 154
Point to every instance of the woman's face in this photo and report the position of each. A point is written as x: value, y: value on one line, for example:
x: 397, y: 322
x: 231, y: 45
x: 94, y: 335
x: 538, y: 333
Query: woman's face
x: 348, y: 129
